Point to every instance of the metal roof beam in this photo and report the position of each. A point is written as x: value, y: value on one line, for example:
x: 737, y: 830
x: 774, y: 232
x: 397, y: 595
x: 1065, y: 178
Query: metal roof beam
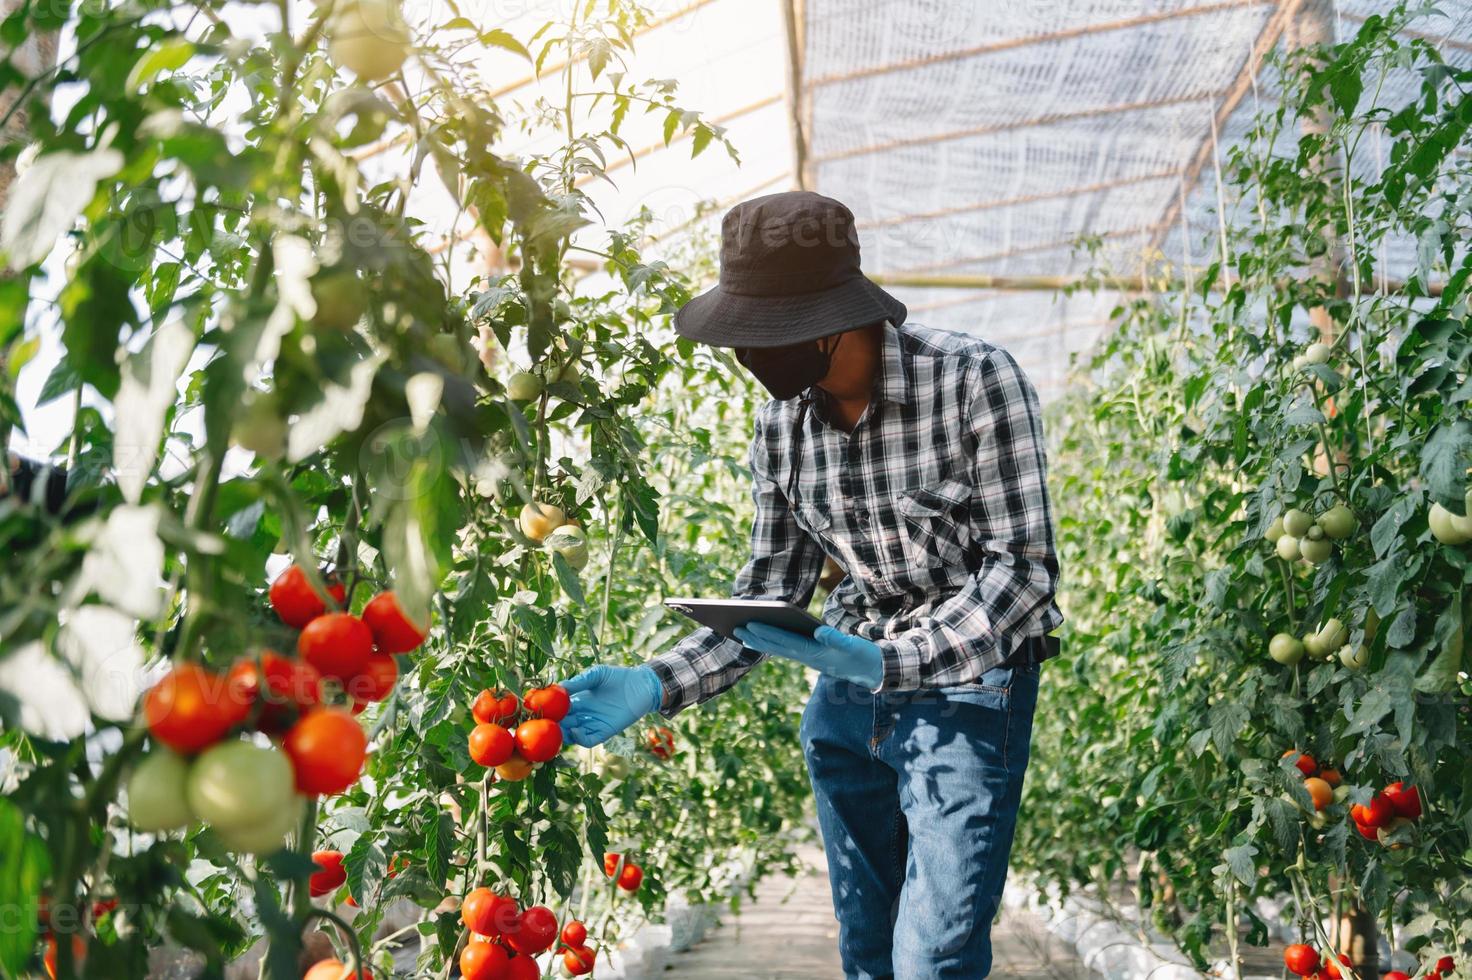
x: 1106, y: 185
x: 1032, y: 39
x: 1058, y: 117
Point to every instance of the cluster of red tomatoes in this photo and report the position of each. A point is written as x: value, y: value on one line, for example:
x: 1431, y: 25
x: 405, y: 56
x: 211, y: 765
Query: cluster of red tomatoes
x: 505, y: 939
x: 660, y: 742
x: 1320, y: 782
x: 514, y: 735
x: 1394, y: 807
x: 625, y: 873
x: 252, y: 794
x: 1303, y: 960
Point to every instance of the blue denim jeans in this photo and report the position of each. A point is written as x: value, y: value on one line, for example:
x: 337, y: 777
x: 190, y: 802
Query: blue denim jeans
x: 917, y: 799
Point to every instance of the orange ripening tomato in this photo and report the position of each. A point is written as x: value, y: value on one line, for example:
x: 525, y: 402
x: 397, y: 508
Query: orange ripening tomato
x: 491, y: 745
x: 393, y: 632
x: 336, y: 970
x: 327, y: 748
x: 192, y: 708
x: 337, y: 644
x: 610, y: 863
x: 1331, y: 776
x: 481, y: 960
x: 1319, y: 791
x: 578, y: 960
x: 295, y: 601
x: 551, y: 702
x: 375, y: 681
x: 494, y: 708
x: 538, y: 740
x: 514, y: 769
x: 79, y: 953
x: 332, y: 875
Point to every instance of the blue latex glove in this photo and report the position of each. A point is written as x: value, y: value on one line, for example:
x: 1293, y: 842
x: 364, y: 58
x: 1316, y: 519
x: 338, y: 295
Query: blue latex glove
x: 606, y: 700
x: 828, y: 651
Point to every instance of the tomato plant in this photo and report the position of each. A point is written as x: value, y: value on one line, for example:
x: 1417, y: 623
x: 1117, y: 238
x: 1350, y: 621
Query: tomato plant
x: 1256, y: 490
x: 318, y: 435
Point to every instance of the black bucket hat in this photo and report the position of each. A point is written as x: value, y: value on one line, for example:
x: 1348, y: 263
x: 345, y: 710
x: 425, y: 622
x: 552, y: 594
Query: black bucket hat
x: 789, y: 273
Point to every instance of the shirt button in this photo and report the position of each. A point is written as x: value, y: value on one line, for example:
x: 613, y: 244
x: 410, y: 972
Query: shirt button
x: 864, y: 519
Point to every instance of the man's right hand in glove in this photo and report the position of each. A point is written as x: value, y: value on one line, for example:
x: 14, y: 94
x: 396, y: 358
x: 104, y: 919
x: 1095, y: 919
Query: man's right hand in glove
x: 606, y: 700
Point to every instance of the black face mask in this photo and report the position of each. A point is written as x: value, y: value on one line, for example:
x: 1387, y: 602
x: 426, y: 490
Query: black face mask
x: 788, y: 371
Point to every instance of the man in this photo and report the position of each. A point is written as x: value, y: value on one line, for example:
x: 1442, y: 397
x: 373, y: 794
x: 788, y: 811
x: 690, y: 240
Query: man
x: 914, y: 458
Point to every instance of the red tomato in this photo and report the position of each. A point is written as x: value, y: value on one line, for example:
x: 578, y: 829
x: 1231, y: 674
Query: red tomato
x: 1396, y: 975
x: 610, y: 863
x: 79, y: 953
x: 578, y: 960
x: 1367, y: 832
x: 524, y: 968
x: 1377, y: 814
x: 1405, y: 800
x: 332, y: 875
x: 631, y: 877
x: 1446, y: 965
x: 1304, y: 762
x: 335, y: 970
x: 191, y: 708
x: 494, y: 708
x: 574, y: 933
x: 327, y: 748
x: 1331, y: 967
x: 549, y: 702
x: 483, y: 961
x: 103, y: 906
x: 294, y: 600
x: 393, y: 632
x: 1331, y: 776
x: 539, y: 740
x: 375, y: 681
x: 487, y: 914
x: 533, y: 930
x: 661, y: 742
x: 1301, y: 959
x: 491, y: 745
x: 285, y: 688
x: 337, y: 644
x: 397, y: 863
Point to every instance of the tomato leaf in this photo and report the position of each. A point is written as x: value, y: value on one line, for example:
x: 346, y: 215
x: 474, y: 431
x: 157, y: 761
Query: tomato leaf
x: 27, y: 865
x: 1444, y: 462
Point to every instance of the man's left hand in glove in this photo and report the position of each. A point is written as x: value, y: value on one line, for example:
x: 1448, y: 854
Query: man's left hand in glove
x: 828, y: 651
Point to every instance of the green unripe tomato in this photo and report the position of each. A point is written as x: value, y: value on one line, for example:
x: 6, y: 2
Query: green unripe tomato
x: 1354, y: 657
x: 1334, y: 635
x: 1338, y: 522
x: 1297, y: 522
x: 1300, y: 362
x: 266, y: 837
x: 1447, y: 527
x: 237, y: 786
x: 1286, y: 649
x: 1288, y: 548
x: 157, y: 798
x: 569, y: 374
x: 1315, y: 533
x: 571, y: 543
x: 447, y: 349
x: 259, y: 427
x: 369, y: 37
x: 1274, y: 531
x: 340, y: 299
x: 1318, y: 820
x: 1315, y: 551
x: 614, y: 767
x: 523, y: 386
x: 1314, y: 646
x: 1317, y: 353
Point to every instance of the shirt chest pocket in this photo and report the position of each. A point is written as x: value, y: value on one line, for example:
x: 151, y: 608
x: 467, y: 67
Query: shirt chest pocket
x: 936, y: 523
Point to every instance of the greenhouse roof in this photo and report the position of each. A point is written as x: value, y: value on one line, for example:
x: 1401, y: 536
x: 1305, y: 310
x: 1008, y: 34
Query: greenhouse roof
x: 978, y: 140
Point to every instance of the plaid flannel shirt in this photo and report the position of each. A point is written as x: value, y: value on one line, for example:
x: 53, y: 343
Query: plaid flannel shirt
x: 935, y: 505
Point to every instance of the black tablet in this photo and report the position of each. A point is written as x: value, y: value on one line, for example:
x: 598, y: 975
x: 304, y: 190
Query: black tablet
x: 725, y: 615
